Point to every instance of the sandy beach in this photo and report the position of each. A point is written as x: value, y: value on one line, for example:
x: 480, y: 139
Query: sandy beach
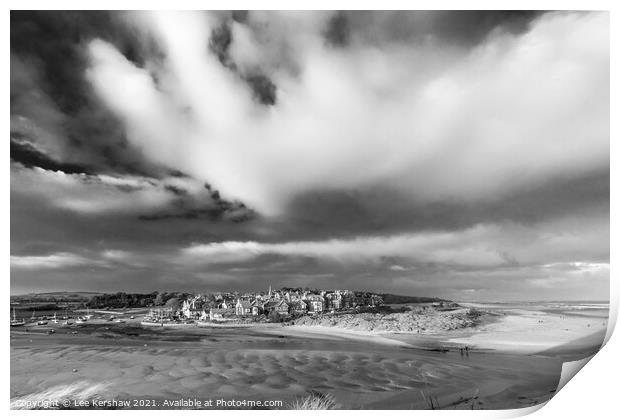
x: 508, y: 365
x: 371, y: 373
x: 569, y: 331
x: 565, y: 332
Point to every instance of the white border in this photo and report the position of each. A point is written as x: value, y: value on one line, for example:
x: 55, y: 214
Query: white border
x: 592, y: 394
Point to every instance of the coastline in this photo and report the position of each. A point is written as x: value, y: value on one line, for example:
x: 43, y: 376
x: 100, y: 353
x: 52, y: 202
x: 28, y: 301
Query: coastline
x: 521, y: 332
x: 361, y: 369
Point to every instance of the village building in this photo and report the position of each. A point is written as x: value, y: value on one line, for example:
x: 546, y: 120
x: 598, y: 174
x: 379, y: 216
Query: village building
x: 290, y: 301
x: 314, y: 303
x: 243, y: 308
x: 218, y: 314
x: 257, y: 308
x: 279, y: 306
x: 333, y: 300
x: 348, y: 299
x: 298, y: 307
x: 191, y: 307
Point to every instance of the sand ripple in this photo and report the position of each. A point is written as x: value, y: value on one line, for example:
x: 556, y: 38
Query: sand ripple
x: 207, y: 372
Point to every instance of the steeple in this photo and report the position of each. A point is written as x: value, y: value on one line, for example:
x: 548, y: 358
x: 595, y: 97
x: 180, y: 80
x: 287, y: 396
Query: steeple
x: 269, y: 290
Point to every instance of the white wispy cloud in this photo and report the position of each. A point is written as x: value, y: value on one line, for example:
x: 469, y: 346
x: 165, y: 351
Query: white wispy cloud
x: 95, y: 194
x: 53, y: 261
x: 431, y: 123
x: 485, y: 245
x: 64, y: 260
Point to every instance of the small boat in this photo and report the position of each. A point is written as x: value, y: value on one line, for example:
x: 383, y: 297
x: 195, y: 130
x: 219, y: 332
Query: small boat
x: 15, y: 322
x: 80, y: 320
x: 42, y: 323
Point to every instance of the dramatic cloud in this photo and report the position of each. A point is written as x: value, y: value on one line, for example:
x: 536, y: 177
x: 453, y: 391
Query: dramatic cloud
x: 466, y: 123
x: 147, y: 198
x: 454, y: 154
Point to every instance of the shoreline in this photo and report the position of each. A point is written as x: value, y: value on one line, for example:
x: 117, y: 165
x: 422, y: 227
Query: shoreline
x: 546, y: 334
x: 510, y: 331
x: 359, y: 370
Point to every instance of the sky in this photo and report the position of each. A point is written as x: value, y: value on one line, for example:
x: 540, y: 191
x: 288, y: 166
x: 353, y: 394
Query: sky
x: 463, y: 155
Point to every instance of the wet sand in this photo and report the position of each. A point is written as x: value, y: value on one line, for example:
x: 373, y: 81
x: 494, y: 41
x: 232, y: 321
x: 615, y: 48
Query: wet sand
x: 565, y: 334
x: 130, y: 361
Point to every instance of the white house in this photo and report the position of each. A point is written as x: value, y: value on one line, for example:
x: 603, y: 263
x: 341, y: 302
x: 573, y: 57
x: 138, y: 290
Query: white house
x: 243, y: 308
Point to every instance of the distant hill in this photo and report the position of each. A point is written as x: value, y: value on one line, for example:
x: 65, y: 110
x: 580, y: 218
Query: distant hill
x: 83, y: 297
x: 54, y: 297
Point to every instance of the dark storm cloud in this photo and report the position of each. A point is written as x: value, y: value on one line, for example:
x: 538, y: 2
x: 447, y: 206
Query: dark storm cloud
x: 385, y: 211
x: 50, y: 46
x: 466, y: 28
x: 219, y: 42
x: 185, y: 208
x: 29, y: 156
x: 240, y: 16
x: 337, y: 32
x: 59, y: 124
x: 263, y: 89
x: 40, y: 225
x: 222, y: 211
x: 55, y: 41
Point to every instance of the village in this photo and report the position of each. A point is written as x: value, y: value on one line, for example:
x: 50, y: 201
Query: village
x: 273, y: 306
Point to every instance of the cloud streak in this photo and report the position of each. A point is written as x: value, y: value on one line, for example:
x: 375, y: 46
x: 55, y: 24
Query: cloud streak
x: 147, y: 198
x: 482, y: 246
x: 53, y: 261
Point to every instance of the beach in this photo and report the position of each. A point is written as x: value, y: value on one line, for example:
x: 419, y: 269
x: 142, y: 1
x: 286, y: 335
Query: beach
x: 360, y: 369
x: 566, y: 330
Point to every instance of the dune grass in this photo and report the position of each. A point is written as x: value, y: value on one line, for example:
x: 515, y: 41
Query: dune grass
x: 315, y: 401
x: 54, y: 397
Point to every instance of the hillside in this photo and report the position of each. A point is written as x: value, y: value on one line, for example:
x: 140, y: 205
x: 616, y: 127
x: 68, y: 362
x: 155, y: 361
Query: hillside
x: 53, y: 297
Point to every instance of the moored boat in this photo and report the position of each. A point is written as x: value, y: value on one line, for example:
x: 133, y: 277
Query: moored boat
x: 15, y: 322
